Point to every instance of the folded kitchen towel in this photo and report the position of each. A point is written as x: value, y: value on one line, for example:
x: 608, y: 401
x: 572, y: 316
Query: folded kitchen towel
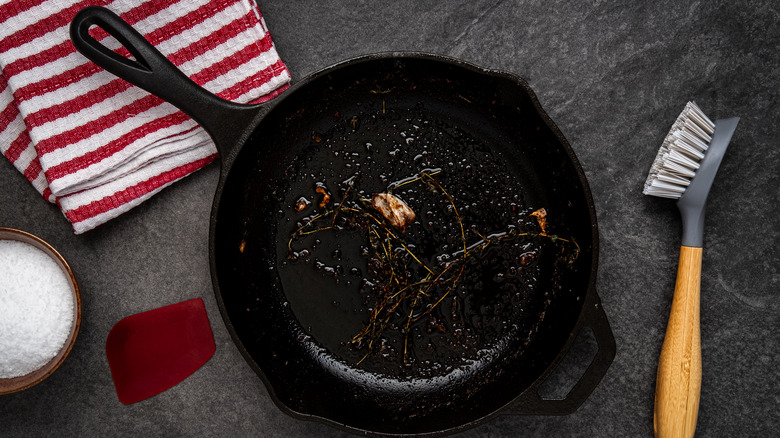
x: 96, y: 145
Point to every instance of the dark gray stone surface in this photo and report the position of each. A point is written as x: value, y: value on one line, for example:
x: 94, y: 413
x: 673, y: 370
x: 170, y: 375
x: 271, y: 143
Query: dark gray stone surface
x: 613, y: 75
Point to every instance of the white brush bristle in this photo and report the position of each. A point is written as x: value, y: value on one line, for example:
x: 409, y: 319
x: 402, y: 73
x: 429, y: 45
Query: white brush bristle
x: 682, y: 150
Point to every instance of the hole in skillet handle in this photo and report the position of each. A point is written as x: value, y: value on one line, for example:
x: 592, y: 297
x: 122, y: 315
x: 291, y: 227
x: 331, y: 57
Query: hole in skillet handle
x: 594, y: 319
x: 226, y: 122
x: 149, y: 70
x: 573, y: 365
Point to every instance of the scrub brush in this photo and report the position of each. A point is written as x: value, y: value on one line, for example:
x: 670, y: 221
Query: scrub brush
x: 684, y: 170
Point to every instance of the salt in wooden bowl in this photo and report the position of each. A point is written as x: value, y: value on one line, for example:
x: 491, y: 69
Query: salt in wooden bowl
x: 19, y: 383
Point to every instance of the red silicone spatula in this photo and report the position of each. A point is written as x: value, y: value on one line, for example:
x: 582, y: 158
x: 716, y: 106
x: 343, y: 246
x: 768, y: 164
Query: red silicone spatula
x: 152, y: 351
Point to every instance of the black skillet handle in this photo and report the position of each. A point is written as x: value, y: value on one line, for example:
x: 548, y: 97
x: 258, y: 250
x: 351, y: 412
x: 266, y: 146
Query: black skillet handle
x: 594, y: 317
x: 225, y: 121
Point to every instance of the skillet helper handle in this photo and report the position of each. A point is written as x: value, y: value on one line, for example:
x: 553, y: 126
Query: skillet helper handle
x: 593, y: 317
x: 678, y: 384
x: 153, y: 72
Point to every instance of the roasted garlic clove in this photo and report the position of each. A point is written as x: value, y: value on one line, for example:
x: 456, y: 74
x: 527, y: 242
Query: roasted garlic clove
x: 325, y: 195
x: 393, y: 209
x: 301, y: 203
x: 541, y: 219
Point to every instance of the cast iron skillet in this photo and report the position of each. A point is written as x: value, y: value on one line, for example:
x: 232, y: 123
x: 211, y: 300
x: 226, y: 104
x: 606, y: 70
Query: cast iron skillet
x: 281, y: 317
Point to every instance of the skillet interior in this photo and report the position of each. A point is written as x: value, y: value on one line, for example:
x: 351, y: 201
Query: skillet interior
x: 273, y: 309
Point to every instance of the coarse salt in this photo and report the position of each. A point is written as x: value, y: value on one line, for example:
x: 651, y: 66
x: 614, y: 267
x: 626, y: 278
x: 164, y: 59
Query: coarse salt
x: 37, y: 307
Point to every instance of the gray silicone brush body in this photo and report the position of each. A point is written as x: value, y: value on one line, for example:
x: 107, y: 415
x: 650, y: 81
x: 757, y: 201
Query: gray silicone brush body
x: 694, y: 199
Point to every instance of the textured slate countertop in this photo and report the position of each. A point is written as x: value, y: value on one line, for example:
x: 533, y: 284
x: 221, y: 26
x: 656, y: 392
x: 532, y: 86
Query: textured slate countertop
x: 613, y: 76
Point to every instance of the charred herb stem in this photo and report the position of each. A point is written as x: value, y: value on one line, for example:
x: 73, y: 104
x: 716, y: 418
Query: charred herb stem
x: 396, y: 294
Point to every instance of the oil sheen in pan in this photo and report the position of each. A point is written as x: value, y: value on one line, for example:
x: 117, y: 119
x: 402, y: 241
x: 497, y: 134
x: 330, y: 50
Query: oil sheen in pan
x: 326, y: 275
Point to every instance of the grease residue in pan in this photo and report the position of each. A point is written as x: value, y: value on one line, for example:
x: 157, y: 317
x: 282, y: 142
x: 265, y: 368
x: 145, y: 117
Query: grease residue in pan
x: 329, y: 275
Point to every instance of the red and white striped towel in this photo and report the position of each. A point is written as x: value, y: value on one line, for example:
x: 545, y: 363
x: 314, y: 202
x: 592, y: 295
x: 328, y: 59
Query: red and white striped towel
x: 91, y: 142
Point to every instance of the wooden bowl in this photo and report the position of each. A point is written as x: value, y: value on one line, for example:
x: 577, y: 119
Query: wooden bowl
x: 14, y: 384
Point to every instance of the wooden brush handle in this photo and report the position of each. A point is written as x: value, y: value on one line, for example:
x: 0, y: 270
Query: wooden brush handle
x: 678, y: 383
